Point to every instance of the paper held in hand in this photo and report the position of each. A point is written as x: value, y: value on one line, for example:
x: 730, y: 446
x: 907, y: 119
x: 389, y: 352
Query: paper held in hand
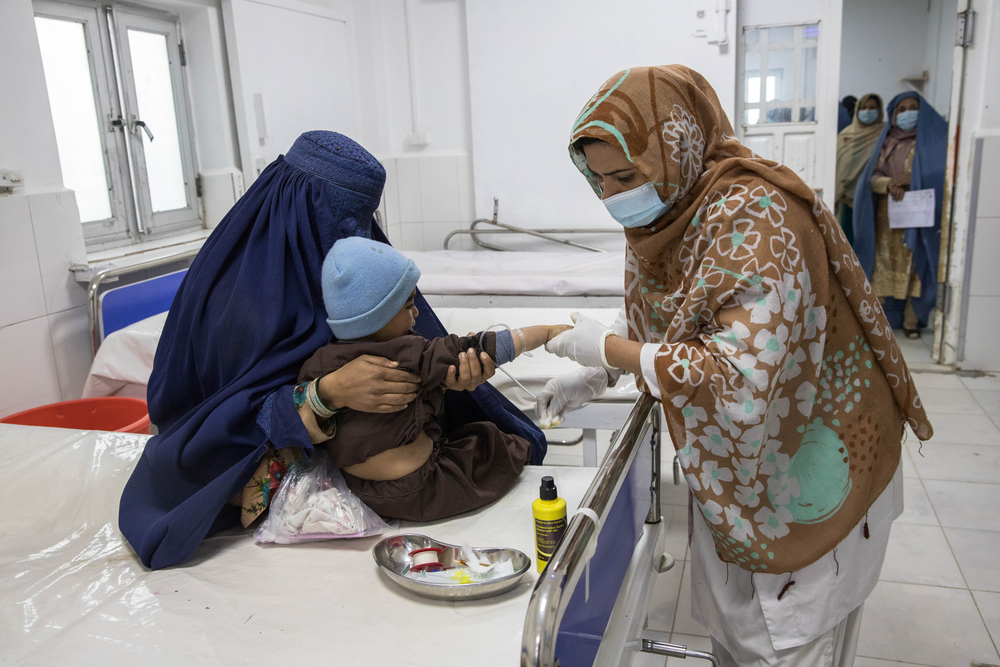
x: 915, y: 209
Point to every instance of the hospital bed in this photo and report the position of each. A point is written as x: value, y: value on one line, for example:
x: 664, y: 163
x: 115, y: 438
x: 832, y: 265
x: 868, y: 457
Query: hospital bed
x: 577, y: 275
x: 125, y: 359
x: 73, y: 592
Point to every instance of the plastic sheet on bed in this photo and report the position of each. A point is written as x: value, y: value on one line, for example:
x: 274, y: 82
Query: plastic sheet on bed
x: 567, y: 273
x: 73, y: 592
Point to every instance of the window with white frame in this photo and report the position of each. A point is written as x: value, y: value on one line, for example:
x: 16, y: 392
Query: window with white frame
x: 119, y: 105
x: 779, y: 74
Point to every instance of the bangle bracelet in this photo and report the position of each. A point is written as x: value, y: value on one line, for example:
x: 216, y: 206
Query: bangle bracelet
x: 315, y: 404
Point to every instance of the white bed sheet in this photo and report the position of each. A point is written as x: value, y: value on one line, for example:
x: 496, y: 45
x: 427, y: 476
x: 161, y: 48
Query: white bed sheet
x: 566, y: 273
x: 73, y: 592
x: 125, y: 359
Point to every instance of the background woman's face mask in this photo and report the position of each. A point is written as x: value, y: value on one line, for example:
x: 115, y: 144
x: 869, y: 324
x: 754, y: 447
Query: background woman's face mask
x: 868, y: 116
x: 637, y: 207
x: 907, y: 120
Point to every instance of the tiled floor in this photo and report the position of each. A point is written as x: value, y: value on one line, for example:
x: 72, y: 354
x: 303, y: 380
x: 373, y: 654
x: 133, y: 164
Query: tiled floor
x: 938, y: 599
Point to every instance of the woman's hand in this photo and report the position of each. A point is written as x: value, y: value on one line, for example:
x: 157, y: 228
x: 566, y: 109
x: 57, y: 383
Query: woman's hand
x: 369, y: 384
x: 470, y: 372
x: 897, y: 190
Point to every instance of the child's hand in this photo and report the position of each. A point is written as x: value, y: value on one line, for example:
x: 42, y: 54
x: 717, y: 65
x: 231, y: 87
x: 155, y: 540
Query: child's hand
x: 556, y: 329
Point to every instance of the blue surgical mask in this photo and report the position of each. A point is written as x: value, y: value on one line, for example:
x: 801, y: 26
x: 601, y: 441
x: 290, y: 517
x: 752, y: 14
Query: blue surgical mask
x: 868, y: 116
x: 907, y: 120
x: 637, y: 207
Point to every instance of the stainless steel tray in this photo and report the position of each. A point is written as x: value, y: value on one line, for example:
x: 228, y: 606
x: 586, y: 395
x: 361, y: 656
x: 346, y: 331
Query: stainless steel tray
x: 392, y: 557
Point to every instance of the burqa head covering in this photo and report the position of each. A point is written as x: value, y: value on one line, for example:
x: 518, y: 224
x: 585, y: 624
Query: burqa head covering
x: 782, y: 384
x: 249, y: 312
x: 929, y: 159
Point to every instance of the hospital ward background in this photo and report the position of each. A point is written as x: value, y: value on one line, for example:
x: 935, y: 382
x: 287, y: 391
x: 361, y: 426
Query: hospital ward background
x: 130, y: 130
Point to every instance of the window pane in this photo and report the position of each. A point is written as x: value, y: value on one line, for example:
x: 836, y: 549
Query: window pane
x: 810, y: 31
x: 74, y: 114
x: 751, y: 116
x: 751, y: 73
x: 751, y: 36
x: 779, y: 116
x: 155, y: 97
x: 781, y: 35
x: 781, y: 68
x: 809, y: 73
x: 807, y: 114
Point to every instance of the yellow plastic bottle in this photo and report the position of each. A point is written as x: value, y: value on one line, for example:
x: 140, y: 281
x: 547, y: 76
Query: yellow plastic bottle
x: 549, y: 512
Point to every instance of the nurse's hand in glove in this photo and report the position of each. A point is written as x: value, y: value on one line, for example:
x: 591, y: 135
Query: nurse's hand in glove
x: 584, y: 343
x: 568, y: 392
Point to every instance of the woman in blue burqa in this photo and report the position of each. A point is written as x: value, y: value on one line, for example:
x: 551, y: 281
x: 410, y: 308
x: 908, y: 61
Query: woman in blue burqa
x: 902, y: 263
x: 248, y: 314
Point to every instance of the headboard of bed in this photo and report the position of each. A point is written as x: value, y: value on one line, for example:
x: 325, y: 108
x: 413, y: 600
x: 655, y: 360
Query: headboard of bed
x: 116, y: 308
x: 122, y: 306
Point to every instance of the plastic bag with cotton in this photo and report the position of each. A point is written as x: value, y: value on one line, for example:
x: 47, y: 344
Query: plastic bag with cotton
x: 314, y: 503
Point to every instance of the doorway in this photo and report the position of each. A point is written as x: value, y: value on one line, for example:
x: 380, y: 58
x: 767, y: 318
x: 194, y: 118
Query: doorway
x: 895, y: 46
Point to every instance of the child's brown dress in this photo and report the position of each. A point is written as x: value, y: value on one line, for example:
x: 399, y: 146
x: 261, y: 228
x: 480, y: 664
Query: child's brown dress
x: 470, y: 467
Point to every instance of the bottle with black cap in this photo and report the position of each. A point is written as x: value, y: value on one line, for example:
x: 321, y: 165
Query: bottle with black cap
x: 549, y: 512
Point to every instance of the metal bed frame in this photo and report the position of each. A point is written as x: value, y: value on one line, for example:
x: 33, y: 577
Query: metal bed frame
x: 504, y: 228
x: 555, y: 587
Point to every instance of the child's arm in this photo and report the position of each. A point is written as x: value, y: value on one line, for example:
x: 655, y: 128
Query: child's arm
x: 529, y: 338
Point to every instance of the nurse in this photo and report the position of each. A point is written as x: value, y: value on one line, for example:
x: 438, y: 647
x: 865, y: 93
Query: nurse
x: 784, y: 391
x: 249, y: 313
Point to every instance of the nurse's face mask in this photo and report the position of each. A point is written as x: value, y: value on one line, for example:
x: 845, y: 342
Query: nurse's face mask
x: 630, y: 205
x: 638, y: 207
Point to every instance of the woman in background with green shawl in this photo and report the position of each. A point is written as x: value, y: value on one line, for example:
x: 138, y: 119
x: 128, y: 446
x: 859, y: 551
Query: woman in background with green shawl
x: 854, y: 146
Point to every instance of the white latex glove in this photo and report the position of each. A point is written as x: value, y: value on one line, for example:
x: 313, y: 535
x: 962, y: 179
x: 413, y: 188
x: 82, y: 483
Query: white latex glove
x: 584, y: 343
x: 569, y: 391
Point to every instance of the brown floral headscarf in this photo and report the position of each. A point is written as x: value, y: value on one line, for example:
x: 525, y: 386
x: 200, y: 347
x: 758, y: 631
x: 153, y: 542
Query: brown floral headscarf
x: 784, y: 389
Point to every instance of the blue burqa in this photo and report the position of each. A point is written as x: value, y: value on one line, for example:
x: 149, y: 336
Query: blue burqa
x: 247, y: 315
x: 925, y: 243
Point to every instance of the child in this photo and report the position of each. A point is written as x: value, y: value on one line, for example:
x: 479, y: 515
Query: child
x: 401, y: 464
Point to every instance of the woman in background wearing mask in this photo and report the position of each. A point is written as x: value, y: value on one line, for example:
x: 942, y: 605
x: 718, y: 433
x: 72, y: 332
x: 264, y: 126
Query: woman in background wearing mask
x: 902, y: 263
x: 748, y: 317
x: 854, y: 146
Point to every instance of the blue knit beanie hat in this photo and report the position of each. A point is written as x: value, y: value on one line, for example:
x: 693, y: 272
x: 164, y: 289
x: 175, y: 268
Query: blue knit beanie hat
x: 365, y: 283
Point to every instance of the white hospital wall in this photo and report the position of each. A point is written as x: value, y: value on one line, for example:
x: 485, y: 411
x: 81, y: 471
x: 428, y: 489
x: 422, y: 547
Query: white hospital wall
x: 980, y: 119
x: 44, y: 349
x: 533, y: 66
x: 429, y: 190
x: 886, y: 41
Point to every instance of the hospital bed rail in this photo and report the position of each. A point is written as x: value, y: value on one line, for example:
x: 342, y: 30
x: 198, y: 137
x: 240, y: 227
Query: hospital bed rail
x: 557, y: 583
x: 504, y: 228
x: 113, y: 273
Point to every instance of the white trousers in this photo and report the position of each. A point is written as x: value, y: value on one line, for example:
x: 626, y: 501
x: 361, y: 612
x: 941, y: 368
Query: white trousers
x: 835, y: 648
